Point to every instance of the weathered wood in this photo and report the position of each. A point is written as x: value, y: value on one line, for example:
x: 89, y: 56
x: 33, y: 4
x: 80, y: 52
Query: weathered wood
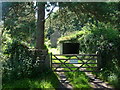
x: 61, y: 62
x: 51, y: 60
x: 99, y: 64
x: 75, y: 67
x: 75, y: 63
x: 74, y: 71
x: 84, y: 61
x: 77, y: 59
x: 75, y: 54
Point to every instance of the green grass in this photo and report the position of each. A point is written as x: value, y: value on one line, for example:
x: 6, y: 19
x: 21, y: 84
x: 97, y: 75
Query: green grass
x: 78, y: 79
x: 53, y: 50
x: 45, y: 80
x: 110, y: 77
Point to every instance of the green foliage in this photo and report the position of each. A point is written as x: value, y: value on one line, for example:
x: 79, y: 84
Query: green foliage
x: 76, y: 15
x: 78, y: 79
x: 5, y: 8
x: 105, y: 39
x: 99, y: 37
x: 72, y: 37
x: 19, y: 21
x: 19, y: 28
x: 114, y: 80
x: 111, y: 76
x: 102, y: 11
x: 69, y: 20
x: 47, y: 43
x: 45, y: 80
x: 18, y: 63
x: 21, y: 62
x: 49, y: 32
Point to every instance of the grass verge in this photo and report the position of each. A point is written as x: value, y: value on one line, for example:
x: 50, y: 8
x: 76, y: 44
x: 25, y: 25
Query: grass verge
x: 45, y: 80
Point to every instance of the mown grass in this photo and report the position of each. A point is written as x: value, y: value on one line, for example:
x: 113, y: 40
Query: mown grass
x: 45, y: 80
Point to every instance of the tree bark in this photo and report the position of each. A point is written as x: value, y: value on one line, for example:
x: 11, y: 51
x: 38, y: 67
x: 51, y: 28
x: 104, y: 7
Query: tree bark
x: 40, y: 26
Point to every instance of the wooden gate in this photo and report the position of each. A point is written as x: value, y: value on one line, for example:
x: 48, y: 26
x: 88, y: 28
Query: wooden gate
x: 74, y: 62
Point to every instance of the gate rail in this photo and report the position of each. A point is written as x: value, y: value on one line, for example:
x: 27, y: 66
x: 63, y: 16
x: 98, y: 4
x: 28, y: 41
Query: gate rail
x: 59, y: 62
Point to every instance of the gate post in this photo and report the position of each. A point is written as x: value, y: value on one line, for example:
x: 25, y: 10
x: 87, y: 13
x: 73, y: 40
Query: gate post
x: 47, y: 61
x: 51, y: 60
x: 98, y: 60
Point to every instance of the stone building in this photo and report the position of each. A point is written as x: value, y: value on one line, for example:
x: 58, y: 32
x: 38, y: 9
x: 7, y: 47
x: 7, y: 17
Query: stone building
x: 54, y: 38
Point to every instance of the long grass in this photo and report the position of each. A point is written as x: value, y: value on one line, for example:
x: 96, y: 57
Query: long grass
x: 78, y: 79
x: 45, y: 80
x: 112, y: 77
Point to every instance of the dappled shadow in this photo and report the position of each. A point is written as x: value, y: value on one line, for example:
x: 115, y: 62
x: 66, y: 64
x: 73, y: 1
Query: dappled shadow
x: 58, y: 85
x: 97, y: 83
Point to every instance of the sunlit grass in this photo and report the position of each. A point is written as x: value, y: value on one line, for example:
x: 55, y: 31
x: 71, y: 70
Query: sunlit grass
x: 53, y: 50
x: 28, y: 83
x: 78, y: 79
x: 41, y: 84
x: 110, y: 77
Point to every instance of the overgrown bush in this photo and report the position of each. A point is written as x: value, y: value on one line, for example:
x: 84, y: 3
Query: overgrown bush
x: 21, y: 62
x: 105, y: 39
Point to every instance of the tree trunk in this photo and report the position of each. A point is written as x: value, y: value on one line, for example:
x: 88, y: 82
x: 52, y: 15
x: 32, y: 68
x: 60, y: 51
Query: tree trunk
x: 40, y: 26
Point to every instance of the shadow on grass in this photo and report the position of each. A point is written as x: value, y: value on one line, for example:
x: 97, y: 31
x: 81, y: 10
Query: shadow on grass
x: 47, y: 79
x: 53, y: 79
x: 55, y: 82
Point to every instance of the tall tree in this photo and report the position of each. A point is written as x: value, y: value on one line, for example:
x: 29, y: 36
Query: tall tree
x: 40, y: 25
x: 102, y: 11
x: 41, y: 22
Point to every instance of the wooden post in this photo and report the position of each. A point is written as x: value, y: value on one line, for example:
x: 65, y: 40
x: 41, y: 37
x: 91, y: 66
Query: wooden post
x: 51, y: 60
x: 47, y: 60
x: 98, y: 60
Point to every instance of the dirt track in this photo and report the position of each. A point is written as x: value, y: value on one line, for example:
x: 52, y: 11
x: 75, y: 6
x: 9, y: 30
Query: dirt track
x: 95, y: 82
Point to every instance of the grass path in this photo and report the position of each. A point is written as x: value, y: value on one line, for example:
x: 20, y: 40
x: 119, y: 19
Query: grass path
x: 65, y: 84
x: 96, y: 82
x: 71, y: 79
x: 93, y: 81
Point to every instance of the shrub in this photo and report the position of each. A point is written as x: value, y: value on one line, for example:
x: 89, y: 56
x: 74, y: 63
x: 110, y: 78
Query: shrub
x: 21, y: 62
x: 103, y: 38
